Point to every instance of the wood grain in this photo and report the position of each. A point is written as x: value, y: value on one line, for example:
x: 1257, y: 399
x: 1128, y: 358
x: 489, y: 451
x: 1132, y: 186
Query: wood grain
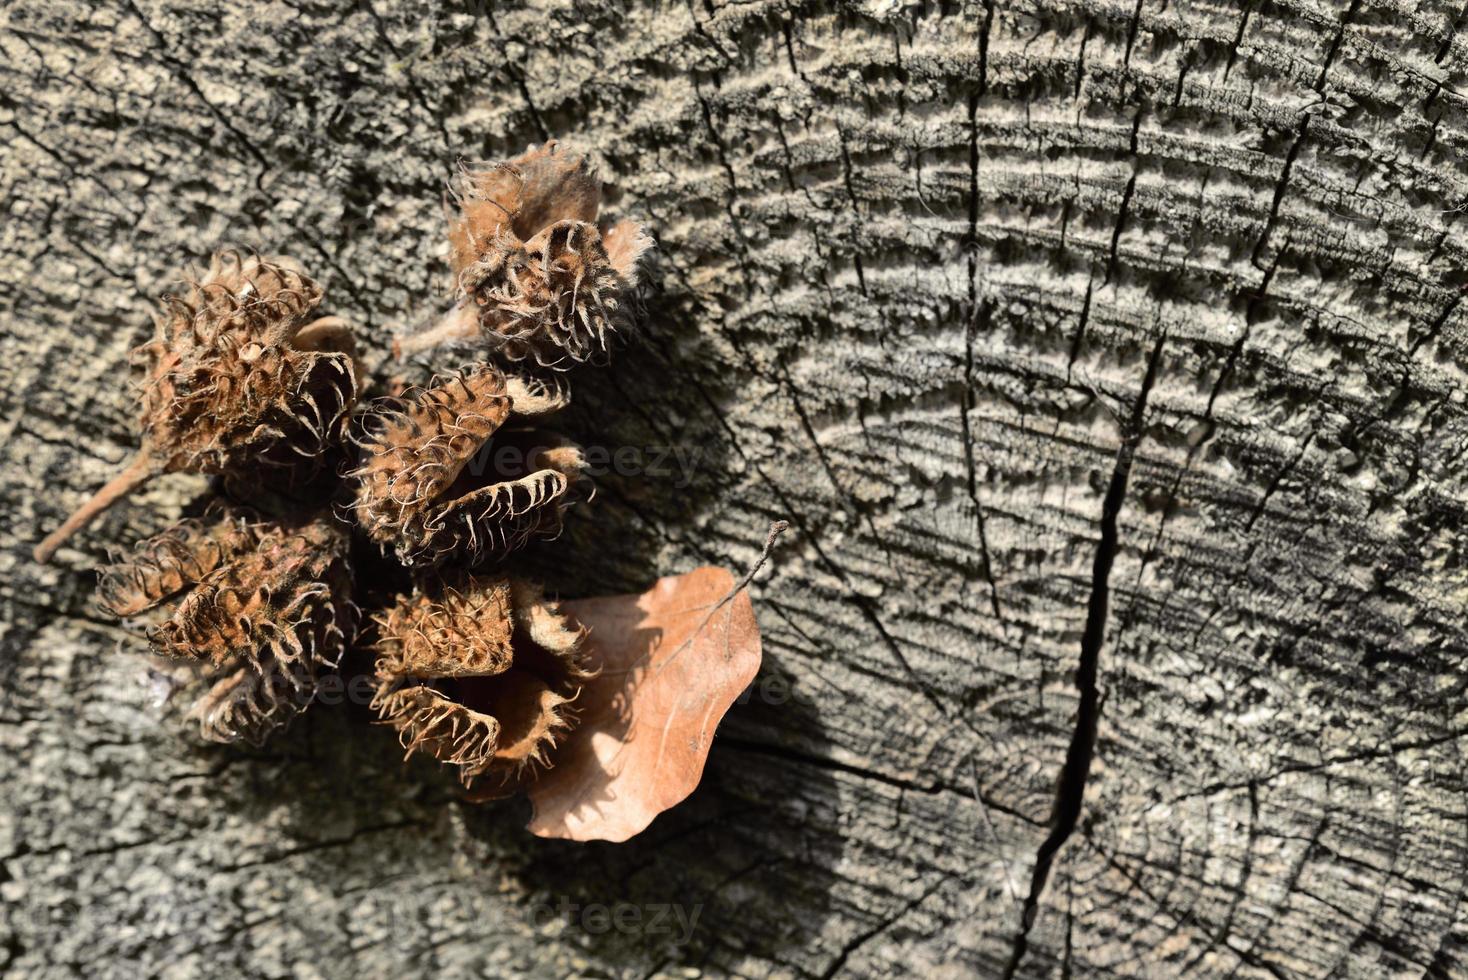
x: 1120, y: 343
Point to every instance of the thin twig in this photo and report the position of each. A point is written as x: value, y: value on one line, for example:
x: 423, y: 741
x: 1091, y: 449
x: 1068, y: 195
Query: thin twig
x: 776, y: 529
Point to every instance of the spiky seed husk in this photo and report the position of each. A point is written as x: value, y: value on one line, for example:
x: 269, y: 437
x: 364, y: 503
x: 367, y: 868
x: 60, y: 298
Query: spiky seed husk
x: 263, y: 607
x: 237, y: 375
x: 165, y: 564
x: 535, y: 396
x: 426, y: 487
x: 479, y: 673
x: 538, y: 278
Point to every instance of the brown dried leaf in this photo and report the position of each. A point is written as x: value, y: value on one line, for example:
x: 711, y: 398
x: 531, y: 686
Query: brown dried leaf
x: 672, y: 661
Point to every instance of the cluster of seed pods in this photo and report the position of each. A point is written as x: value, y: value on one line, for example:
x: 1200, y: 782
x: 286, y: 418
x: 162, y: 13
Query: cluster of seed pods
x: 242, y: 380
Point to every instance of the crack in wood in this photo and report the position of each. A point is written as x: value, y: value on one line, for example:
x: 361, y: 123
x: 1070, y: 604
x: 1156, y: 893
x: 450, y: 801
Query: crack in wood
x: 867, y: 936
x: 1071, y: 789
x: 517, y: 75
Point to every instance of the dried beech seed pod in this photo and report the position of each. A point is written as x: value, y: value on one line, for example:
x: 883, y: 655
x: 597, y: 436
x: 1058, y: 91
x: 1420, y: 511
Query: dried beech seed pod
x: 538, y: 277
x: 167, y: 563
x: 441, y: 476
x: 264, y: 608
x: 236, y: 374
x: 479, y: 673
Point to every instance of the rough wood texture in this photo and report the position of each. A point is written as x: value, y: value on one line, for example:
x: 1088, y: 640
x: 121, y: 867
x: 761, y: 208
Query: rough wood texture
x: 1107, y: 357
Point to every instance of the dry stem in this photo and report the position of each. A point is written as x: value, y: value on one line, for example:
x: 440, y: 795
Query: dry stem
x: 137, y: 472
x: 459, y: 323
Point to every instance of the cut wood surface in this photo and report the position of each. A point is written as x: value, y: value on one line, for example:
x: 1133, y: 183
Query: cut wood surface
x: 1107, y: 359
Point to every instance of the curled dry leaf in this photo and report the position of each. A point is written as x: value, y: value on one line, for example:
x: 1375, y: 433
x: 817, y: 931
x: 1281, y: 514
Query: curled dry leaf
x: 671, y: 660
x: 237, y: 375
x: 442, y: 475
x: 538, y: 277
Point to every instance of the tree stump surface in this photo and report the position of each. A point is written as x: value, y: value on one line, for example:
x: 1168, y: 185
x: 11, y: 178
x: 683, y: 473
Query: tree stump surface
x: 1106, y: 358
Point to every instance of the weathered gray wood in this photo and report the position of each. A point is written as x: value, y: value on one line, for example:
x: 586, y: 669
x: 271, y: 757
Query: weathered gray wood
x: 1120, y: 341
